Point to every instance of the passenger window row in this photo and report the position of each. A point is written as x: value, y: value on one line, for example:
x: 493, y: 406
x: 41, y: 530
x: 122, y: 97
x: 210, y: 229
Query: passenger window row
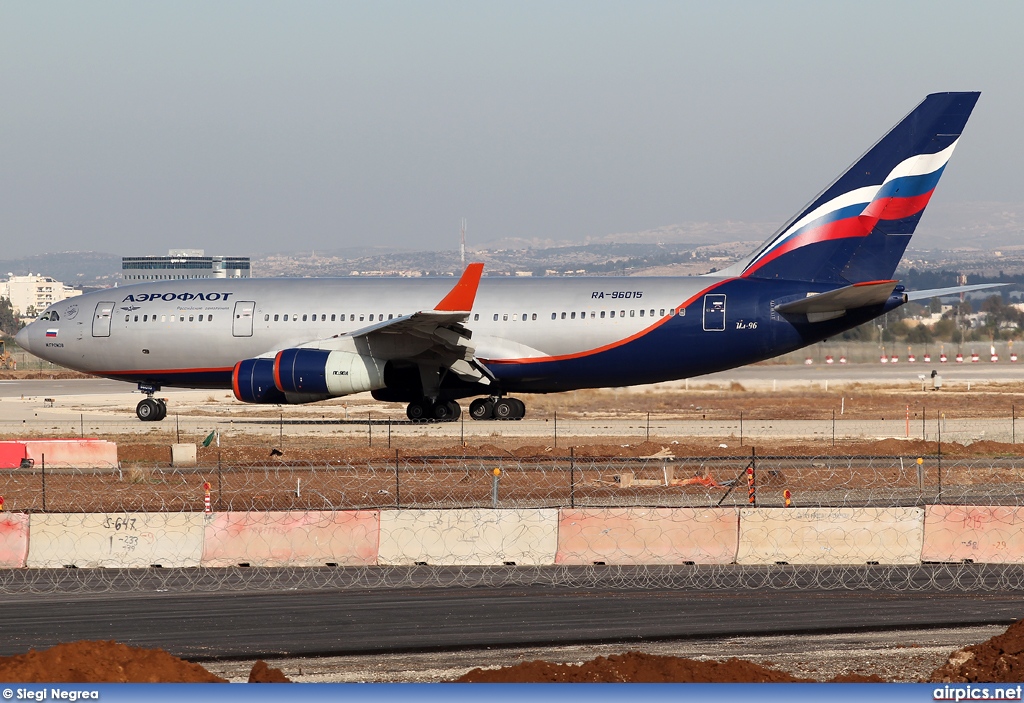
x: 173, y: 318
x: 322, y: 317
x: 594, y: 314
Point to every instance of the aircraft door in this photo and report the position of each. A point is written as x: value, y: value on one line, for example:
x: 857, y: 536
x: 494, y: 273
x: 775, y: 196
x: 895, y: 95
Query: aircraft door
x: 241, y: 325
x: 714, y: 312
x: 101, y: 319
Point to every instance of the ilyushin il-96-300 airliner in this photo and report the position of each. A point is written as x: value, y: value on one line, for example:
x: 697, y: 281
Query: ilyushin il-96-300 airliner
x: 428, y: 343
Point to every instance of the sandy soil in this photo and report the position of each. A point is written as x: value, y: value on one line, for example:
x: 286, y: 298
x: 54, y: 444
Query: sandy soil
x: 861, y: 657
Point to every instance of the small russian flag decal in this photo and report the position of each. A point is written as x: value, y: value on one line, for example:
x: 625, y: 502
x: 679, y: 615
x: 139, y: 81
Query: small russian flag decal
x: 51, y: 333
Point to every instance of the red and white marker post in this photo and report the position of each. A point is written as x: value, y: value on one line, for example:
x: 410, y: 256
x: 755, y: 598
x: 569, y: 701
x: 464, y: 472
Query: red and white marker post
x: 207, y: 507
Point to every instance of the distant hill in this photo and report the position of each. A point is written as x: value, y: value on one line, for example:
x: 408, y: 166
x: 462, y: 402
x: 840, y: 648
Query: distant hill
x: 75, y: 268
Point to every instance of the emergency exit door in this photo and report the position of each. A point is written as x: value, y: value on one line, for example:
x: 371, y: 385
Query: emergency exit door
x: 241, y: 325
x: 714, y: 312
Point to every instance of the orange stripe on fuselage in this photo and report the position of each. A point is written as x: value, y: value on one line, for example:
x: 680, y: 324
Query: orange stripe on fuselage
x: 612, y: 345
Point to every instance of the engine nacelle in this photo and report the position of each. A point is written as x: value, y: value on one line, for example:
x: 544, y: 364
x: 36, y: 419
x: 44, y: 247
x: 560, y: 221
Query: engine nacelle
x: 253, y: 382
x: 332, y: 373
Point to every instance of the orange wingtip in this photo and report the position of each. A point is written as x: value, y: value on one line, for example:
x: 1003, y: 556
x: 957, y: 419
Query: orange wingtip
x: 461, y: 297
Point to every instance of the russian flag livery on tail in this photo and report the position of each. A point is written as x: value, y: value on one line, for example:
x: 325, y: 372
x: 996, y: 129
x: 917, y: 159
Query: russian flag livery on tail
x: 429, y: 343
x: 858, y: 228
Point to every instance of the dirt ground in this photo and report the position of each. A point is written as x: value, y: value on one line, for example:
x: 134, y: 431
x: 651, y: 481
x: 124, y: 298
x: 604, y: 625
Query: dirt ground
x: 997, y: 659
x: 317, y: 478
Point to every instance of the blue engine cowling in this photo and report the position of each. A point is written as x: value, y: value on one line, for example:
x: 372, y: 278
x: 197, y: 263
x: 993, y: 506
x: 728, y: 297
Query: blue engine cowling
x: 331, y: 373
x: 253, y: 382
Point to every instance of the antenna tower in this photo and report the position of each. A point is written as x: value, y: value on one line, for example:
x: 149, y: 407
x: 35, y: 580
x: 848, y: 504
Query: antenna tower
x: 462, y: 245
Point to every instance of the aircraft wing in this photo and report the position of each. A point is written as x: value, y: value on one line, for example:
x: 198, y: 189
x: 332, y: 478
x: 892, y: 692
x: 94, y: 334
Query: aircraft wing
x: 428, y: 337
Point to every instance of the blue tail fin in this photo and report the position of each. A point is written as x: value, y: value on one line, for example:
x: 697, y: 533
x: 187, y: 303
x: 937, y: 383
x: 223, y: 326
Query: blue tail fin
x: 857, y: 229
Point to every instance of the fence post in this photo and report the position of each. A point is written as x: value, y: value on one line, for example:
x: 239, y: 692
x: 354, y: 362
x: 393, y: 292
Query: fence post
x: 1013, y: 424
x: 177, y: 427
x: 752, y: 479
x: 220, y: 484
x: 398, y: 485
x: 81, y: 427
x: 649, y: 427
x: 556, y: 430
x: 280, y: 429
x: 43, y: 474
x: 833, y: 427
x: 369, y: 431
x: 924, y: 432
x: 572, y: 477
x: 741, y: 428
x: 389, y: 432
x: 939, y: 423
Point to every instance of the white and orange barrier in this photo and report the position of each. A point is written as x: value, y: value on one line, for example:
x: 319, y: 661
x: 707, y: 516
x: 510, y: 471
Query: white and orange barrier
x: 116, y: 540
x: 59, y: 453
x: 830, y: 536
x: 13, y: 540
x: 647, y: 536
x: 293, y: 538
x: 984, y: 534
x: 470, y: 537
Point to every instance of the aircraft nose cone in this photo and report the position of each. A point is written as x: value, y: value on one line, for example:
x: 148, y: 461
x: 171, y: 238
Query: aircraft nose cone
x: 22, y: 339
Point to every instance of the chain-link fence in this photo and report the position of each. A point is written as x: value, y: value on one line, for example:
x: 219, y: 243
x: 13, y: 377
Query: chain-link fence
x: 504, y: 482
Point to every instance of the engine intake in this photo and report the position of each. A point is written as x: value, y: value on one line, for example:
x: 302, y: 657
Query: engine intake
x: 253, y: 382
x: 332, y: 373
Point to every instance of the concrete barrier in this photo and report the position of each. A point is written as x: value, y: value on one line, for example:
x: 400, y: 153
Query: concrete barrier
x: 823, y: 536
x: 183, y: 454
x: 647, y: 536
x: 119, y: 540
x: 11, y: 454
x: 982, y: 534
x: 13, y: 540
x: 476, y: 537
x: 296, y: 538
x: 72, y: 453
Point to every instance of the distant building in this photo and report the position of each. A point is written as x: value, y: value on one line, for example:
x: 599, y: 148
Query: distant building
x: 183, y: 263
x: 30, y: 295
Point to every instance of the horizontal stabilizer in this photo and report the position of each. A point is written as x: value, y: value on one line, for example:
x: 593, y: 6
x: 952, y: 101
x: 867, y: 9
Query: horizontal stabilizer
x: 859, y: 295
x: 939, y: 292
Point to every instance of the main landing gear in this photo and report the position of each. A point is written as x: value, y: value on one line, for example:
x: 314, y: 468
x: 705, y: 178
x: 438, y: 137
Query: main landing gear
x: 150, y: 409
x: 426, y: 410
x: 497, y: 409
x: 439, y: 411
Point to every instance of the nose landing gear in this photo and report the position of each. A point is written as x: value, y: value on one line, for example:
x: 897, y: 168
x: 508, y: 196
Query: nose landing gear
x: 150, y: 409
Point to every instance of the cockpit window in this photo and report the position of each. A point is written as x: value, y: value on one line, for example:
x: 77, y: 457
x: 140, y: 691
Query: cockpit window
x: 50, y: 316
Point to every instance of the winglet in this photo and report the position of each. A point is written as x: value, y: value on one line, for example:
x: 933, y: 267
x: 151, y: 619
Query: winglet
x: 461, y: 297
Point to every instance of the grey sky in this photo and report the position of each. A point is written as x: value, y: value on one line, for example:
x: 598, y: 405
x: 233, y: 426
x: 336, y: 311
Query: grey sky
x: 247, y: 127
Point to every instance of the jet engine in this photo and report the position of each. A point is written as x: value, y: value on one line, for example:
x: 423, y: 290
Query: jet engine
x: 322, y: 372
x: 253, y: 382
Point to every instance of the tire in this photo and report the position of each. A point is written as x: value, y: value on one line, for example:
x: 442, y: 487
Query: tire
x: 418, y: 410
x: 163, y: 410
x: 504, y: 409
x: 456, y: 410
x: 147, y: 410
x: 443, y: 412
x: 520, y: 408
x: 481, y: 409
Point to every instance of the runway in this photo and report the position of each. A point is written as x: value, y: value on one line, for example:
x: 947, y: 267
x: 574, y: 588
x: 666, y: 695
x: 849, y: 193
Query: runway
x: 232, y: 624
x: 785, y: 374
